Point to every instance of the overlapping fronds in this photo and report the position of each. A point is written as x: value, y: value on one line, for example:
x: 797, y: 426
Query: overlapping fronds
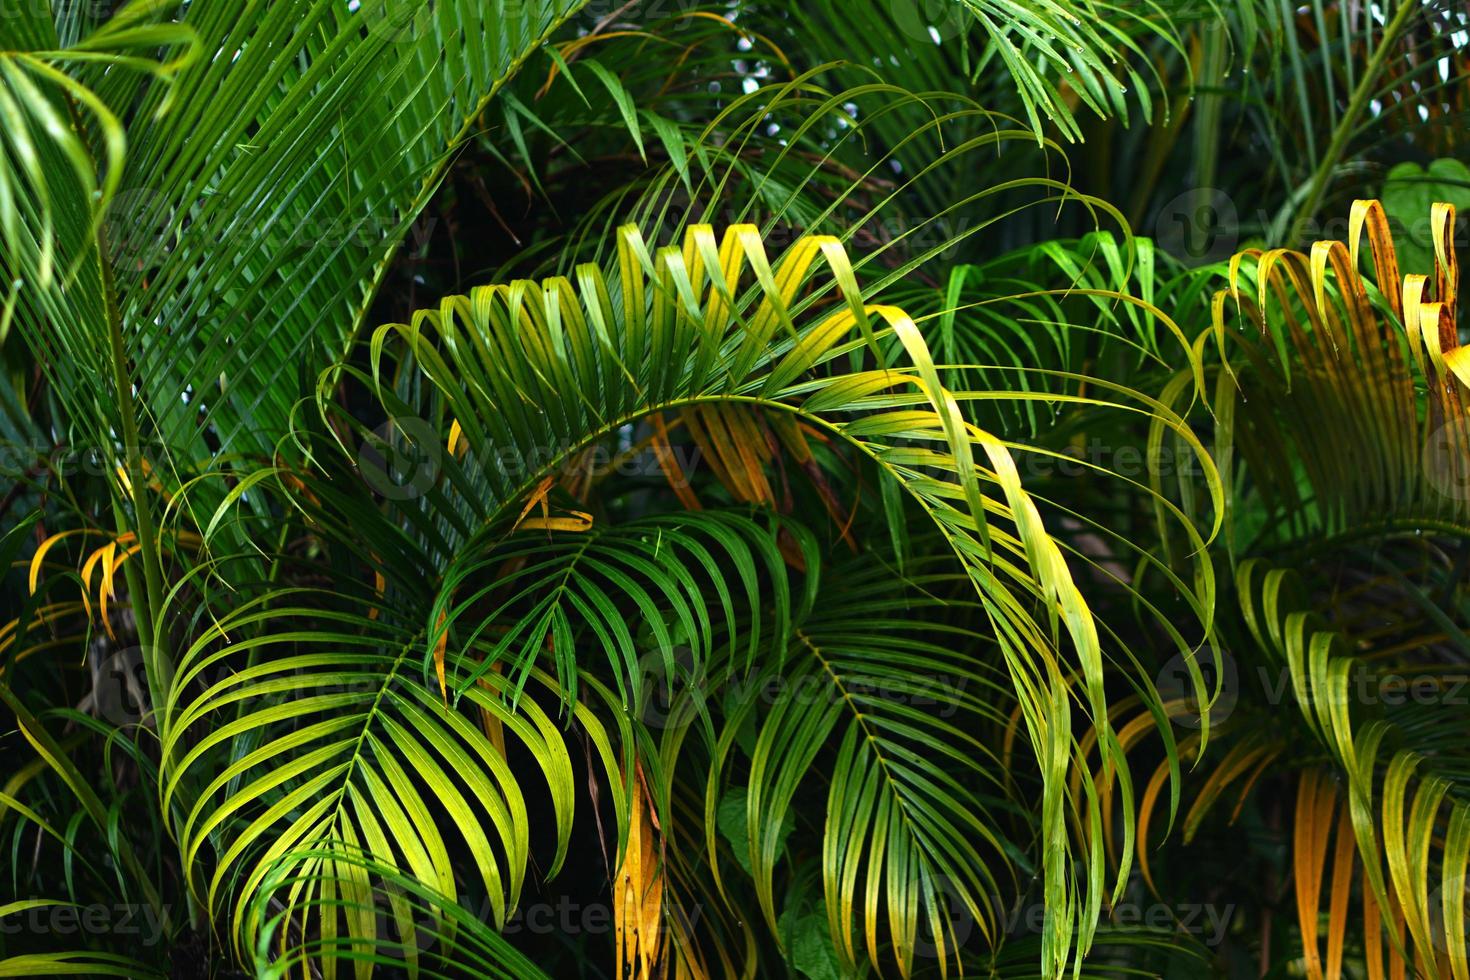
x: 1405, y: 808
x: 1340, y: 419
x: 1370, y: 369
x: 920, y: 836
x: 518, y: 381
x: 227, y: 222
x: 802, y: 544
x: 211, y: 247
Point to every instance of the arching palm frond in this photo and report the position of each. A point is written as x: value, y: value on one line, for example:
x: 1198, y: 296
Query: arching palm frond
x: 324, y: 738
x: 518, y: 381
x: 1373, y: 365
x: 1060, y: 56
x: 863, y: 675
x: 1340, y: 423
x: 1403, y: 764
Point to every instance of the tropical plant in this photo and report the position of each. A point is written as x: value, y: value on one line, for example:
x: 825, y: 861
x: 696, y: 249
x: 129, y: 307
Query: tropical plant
x: 546, y: 488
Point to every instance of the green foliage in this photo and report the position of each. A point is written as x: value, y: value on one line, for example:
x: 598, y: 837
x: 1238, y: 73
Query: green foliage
x: 738, y: 482
x: 1409, y: 195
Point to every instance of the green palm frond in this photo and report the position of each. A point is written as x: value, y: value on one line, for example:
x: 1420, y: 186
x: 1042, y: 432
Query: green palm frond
x: 561, y: 586
x: 1060, y: 55
x: 1404, y: 768
x: 421, y: 926
x: 392, y: 88
x: 246, y: 249
x: 330, y: 741
x: 1372, y: 363
x: 886, y: 698
x: 528, y: 375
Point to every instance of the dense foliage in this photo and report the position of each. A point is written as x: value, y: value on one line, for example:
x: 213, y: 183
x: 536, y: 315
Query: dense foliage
x: 664, y: 489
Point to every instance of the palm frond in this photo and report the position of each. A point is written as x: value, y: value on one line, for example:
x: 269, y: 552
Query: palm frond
x: 517, y: 369
x: 1373, y: 362
x: 921, y: 836
x: 1407, y: 809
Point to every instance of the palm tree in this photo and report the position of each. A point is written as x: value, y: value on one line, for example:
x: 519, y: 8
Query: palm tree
x: 622, y: 467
